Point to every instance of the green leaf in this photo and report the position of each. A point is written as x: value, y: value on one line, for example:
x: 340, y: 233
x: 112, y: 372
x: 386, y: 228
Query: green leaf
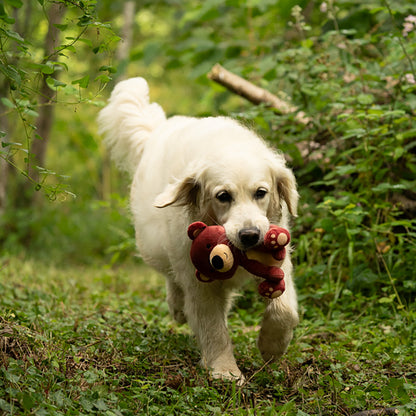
x: 103, y: 78
x: 108, y: 68
x: 85, y: 20
x: 13, y: 35
x: 12, y: 73
x: 30, y: 112
x: 5, y: 406
x: 100, y: 405
x: 7, y: 144
x: 13, y: 378
x: 59, y: 64
x: 54, y: 83
x: 365, y: 99
x: 7, y: 103
x: 46, y: 69
x: 27, y: 401
x: 346, y: 170
x: 61, y: 27
x: 15, y: 3
x: 82, y: 82
x: 398, y: 153
x: 388, y: 299
x: 86, y: 41
x: 384, y: 187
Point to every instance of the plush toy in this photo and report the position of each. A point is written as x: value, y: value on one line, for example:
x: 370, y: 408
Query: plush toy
x: 215, y: 258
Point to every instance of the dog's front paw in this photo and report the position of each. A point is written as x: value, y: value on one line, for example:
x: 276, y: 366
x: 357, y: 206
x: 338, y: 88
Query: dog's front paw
x: 276, y: 333
x: 271, y: 349
x: 227, y: 371
x: 229, y: 375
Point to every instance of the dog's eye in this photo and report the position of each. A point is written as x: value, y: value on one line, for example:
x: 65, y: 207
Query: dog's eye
x: 260, y: 193
x: 224, y: 196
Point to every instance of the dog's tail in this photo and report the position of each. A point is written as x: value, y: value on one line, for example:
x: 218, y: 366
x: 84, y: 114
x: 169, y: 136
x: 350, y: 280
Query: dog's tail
x: 128, y: 121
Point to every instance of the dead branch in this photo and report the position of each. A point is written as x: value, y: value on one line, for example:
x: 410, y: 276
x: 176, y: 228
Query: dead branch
x: 253, y: 93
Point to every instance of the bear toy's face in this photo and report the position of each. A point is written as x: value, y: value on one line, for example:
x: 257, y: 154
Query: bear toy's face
x: 211, y: 252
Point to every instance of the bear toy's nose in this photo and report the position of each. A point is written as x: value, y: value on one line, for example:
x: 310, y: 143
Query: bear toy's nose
x: 249, y: 237
x: 217, y: 262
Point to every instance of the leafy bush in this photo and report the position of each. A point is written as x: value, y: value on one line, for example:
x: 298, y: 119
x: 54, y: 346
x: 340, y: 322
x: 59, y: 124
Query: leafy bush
x: 44, y: 50
x: 347, y: 65
x: 76, y: 231
x: 356, y: 165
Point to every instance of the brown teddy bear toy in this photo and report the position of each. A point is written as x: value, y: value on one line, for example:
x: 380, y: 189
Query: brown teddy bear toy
x: 215, y: 258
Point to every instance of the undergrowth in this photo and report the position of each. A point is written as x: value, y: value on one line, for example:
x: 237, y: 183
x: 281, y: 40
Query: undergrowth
x: 88, y: 340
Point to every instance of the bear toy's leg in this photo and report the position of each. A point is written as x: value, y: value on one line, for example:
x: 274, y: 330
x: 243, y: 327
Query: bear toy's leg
x: 270, y: 289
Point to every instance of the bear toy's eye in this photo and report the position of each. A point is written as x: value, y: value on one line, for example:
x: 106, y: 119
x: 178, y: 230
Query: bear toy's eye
x: 224, y: 197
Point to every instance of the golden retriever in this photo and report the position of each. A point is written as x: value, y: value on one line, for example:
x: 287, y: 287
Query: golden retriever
x: 214, y: 170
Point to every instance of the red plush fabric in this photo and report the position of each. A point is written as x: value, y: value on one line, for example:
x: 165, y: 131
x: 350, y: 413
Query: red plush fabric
x: 215, y: 258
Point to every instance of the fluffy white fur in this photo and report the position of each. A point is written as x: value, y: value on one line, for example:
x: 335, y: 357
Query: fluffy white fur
x: 180, y: 167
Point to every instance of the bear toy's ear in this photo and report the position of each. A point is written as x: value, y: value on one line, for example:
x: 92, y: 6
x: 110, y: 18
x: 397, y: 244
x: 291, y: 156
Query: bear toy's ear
x: 195, y: 229
x: 202, y: 278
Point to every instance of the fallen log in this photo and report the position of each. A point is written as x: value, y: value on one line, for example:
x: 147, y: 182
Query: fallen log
x: 253, y: 93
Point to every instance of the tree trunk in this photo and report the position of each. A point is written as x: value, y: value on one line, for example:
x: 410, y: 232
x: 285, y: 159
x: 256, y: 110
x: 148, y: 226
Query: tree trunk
x: 124, y: 46
x: 123, y: 52
x: 46, y: 96
x: 5, y: 125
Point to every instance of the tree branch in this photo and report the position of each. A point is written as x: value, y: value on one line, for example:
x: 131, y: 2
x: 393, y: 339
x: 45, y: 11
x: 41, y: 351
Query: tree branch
x: 253, y: 93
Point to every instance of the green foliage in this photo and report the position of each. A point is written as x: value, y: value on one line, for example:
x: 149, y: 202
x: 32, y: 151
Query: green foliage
x: 93, y: 340
x: 25, y: 65
x: 355, y: 161
x: 71, y: 231
x: 349, y: 66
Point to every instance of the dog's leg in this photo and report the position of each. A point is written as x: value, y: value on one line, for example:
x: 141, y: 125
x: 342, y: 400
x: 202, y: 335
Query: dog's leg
x: 279, y: 320
x: 206, y: 309
x: 175, y: 299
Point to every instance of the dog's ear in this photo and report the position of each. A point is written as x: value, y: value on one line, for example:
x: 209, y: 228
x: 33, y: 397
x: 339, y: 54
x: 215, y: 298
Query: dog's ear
x: 180, y: 193
x: 286, y: 188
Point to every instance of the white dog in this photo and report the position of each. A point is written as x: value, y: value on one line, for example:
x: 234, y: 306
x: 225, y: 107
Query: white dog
x: 213, y: 170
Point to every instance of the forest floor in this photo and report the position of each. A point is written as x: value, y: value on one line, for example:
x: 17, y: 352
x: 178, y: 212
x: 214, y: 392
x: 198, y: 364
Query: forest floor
x: 93, y: 339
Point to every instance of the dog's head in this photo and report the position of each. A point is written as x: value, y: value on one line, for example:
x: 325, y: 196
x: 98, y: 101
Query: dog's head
x: 244, y: 192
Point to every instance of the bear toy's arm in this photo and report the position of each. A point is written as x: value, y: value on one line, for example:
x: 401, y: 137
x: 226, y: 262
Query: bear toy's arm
x: 267, y: 268
x: 276, y: 238
x: 266, y: 261
x: 275, y: 241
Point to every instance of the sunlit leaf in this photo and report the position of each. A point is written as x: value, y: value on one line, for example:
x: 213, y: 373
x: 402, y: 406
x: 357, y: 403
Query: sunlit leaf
x: 82, y: 82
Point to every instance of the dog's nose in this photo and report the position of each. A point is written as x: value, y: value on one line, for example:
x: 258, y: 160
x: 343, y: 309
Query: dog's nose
x: 249, y: 237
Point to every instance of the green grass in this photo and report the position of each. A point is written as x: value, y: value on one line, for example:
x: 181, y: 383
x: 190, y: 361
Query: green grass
x: 98, y: 340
